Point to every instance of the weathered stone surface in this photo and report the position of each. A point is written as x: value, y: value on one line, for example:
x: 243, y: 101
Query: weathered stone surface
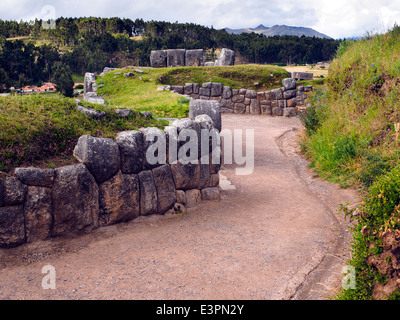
x: 128, y: 74
x: 158, y: 59
x: 289, y: 94
x: 247, y: 101
x: 266, y: 109
x: 214, y: 180
x: 186, y: 127
x: 180, y: 196
x: 193, y: 198
x: 119, y: 199
x: 188, y: 89
x: 277, y: 111
x: 178, y: 89
x: 205, y: 121
x: 100, y: 155
x: 194, y: 58
x: 211, y: 194
x: 35, y: 176
x: 290, y: 112
x: 291, y: 103
x: 226, y: 92
x: 14, y: 191
x: 124, y: 112
x: 255, y: 106
x: 209, y: 64
x: 226, y: 58
x: 186, y: 176
x: 176, y: 57
x: 238, y: 98
x: 205, y: 92
x: 261, y: 96
x: 205, y: 174
x: 289, y: 84
x: 196, y: 88
x: 130, y: 144
x: 75, y: 197
x: 12, y: 228
x: 164, y: 182
x: 228, y: 104
x: 108, y: 69
x: 302, y: 75
x: 276, y: 94
x: 216, y: 89
x: 89, y: 112
x: 210, y: 108
x: 239, y: 108
x: 89, y: 83
x: 251, y: 94
x: 206, y: 85
x: 148, y: 194
x: 154, y: 147
x: 38, y: 213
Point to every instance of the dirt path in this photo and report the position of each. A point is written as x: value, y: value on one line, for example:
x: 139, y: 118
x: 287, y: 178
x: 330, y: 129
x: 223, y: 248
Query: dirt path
x: 276, y: 236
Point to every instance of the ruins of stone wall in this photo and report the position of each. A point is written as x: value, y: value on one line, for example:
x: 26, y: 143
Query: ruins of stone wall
x: 188, y: 58
x: 284, y: 101
x: 113, y: 183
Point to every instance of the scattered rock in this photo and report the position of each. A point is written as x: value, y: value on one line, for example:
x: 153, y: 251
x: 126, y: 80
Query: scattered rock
x: 212, y: 194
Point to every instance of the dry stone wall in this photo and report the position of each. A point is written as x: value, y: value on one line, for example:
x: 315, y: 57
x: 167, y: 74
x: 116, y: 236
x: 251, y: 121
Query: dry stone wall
x: 113, y: 183
x: 284, y: 101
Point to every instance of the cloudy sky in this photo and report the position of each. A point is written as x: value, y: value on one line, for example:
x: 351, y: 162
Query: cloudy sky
x: 336, y: 18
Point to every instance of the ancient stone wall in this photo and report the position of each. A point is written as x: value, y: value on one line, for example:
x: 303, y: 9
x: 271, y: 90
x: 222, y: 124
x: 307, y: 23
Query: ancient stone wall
x: 114, y: 182
x: 284, y: 101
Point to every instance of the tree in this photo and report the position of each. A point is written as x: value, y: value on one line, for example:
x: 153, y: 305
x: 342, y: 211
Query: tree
x: 62, y: 77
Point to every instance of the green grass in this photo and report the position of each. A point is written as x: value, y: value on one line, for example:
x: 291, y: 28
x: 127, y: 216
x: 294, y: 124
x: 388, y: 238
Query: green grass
x: 140, y: 92
x: 350, y: 139
x: 34, y: 128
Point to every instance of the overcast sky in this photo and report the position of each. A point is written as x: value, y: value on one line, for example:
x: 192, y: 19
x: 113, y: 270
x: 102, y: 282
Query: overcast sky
x: 335, y: 18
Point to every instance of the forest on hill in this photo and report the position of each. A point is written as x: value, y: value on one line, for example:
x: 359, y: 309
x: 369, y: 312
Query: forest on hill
x: 29, y: 51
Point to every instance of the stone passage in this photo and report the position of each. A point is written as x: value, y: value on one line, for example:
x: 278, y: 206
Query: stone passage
x: 284, y: 101
x: 114, y: 182
x: 189, y: 58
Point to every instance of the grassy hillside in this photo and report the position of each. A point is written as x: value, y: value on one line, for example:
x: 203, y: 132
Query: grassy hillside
x: 352, y: 138
x: 43, y: 130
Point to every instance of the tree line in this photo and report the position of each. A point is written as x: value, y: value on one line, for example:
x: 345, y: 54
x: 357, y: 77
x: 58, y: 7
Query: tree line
x: 89, y: 44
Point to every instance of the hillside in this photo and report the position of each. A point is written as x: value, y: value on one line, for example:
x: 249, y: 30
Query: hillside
x: 280, y: 30
x: 352, y: 138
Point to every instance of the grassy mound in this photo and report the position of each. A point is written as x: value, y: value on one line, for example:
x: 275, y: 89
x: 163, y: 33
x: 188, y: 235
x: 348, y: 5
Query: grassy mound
x: 352, y: 138
x: 43, y: 129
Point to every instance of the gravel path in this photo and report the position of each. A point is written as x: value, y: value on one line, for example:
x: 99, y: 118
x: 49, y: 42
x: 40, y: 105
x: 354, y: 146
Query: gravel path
x: 275, y: 235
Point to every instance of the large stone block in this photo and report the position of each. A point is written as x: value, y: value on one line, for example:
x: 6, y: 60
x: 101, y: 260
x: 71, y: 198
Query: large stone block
x: 208, y: 107
x: 38, y: 213
x: 166, y: 193
x: 276, y: 94
x: 226, y: 58
x: 89, y: 83
x: 255, y: 106
x: 186, y: 176
x: 289, y: 94
x: 12, y: 228
x: 1, y: 193
x: 119, y: 199
x: 148, y: 194
x: 14, y: 191
x: 100, y: 155
x: 176, y: 57
x: 193, y: 198
x: 158, y: 59
x: 131, y: 149
x: 191, y: 130
x: 194, y: 58
x: 75, y: 197
x: 302, y: 75
x: 211, y: 194
x: 239, y: 108
x: 35, y: 176
x: 154, y: 147
x: 289, y: 84
x: 216, y: 89
x: 226, y: 92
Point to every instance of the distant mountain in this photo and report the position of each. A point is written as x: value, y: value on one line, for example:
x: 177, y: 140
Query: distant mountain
x: 280, y: 30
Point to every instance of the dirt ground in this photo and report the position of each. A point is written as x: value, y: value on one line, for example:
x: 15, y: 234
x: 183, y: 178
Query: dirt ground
x: 274, y: 235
